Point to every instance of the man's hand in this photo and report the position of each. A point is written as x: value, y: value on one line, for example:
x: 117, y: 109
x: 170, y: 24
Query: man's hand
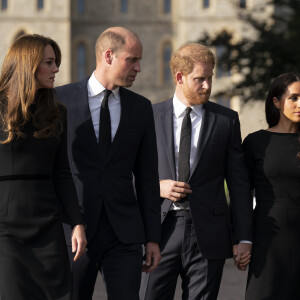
x: 242, y: 255
x: 174, y: 190
x: 152, y: 257
x: 78, y: 241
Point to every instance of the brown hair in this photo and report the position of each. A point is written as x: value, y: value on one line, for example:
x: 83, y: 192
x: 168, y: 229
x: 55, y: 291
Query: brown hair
x: 185, y: 58
x: 20, y: 101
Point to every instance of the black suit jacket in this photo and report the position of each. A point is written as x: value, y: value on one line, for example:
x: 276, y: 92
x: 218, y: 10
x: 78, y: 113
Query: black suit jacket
x: 133, y: 209
x: 219, y: 156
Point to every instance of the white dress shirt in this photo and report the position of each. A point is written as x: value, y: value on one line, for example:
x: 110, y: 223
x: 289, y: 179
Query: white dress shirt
x: 95, y: 97
x: 196, y: 120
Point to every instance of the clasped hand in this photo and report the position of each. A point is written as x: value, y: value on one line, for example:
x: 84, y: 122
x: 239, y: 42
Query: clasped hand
x: 174, y: 190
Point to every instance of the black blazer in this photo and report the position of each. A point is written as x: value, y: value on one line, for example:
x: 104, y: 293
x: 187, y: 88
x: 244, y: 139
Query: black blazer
x: 133, y: 209
x: 219, y: 156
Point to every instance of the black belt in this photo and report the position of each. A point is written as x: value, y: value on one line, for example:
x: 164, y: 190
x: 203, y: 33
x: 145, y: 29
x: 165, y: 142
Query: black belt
x: 25, y: 177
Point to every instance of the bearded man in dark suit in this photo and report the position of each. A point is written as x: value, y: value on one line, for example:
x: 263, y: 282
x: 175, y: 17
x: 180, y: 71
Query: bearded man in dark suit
x: 111, y: 139
x: 199, y: 146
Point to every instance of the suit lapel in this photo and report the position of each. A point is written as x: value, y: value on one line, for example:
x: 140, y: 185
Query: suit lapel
x: 168, y: 135
x: 85, y: 118
x: 206, y: 127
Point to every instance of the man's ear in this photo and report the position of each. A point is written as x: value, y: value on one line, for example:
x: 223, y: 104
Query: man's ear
x: 276, y: 102
x: 108, y: 55
x: 179, y: 77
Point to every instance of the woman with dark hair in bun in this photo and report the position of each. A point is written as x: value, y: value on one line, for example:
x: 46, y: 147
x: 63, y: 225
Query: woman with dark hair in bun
x: 273, y: 158
x: 35, y: 177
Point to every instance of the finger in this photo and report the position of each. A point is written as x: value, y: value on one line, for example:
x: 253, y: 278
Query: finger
x: 148, y: 259
x: 245, y: 258
x: 178, y: 195
x: 155, y: 262
x: 182, y: 184
x: 74, y: 244
x: 237, y: 259
x: 182, y: 190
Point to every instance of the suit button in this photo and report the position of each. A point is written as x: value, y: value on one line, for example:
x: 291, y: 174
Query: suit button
x: 164, y: 213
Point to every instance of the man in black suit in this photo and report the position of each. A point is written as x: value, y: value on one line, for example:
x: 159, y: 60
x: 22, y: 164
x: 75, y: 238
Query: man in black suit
x: 199, y: 146
x: 112, y: 139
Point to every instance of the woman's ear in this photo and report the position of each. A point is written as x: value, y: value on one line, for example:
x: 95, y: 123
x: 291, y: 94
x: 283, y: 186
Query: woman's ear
x: 276, y: 102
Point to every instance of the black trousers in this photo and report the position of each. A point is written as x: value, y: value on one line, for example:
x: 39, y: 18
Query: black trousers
x: 120, y: 265
x: 181, y: 256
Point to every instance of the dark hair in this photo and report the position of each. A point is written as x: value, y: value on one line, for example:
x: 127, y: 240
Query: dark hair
x: 20, y: 100
x: 277, y: 89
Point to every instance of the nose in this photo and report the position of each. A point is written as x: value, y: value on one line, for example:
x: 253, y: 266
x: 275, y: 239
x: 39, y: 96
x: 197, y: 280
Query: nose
x: 206, y: 84
x: 298, y: 102
x: 55, y: 69
x: 137, y: 66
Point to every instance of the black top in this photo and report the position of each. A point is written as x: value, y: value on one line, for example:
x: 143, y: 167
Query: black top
x: 35, y: 180
x: 274, y: 168
x: 275, y: 172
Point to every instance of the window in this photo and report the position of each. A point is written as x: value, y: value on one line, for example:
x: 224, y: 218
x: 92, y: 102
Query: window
x: 81, y: 61
x: 124, y: 6
x: 223, y: 100
x: 222, y: 67
x: 167, y: 51
x: 242, y: 3
x: 80, y: 6
x: 167, y: 6
x: 40, y: 4
x: 205, y: 3
x: 3, y: 4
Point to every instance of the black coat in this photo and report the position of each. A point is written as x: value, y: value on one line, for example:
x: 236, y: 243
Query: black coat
x: 133, y: 207
x: 219, y: 156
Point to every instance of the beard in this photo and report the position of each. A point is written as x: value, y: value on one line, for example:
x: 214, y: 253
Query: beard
x: 196, y: 98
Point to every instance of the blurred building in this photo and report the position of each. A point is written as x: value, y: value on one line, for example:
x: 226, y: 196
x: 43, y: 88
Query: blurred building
x: 162, y: 25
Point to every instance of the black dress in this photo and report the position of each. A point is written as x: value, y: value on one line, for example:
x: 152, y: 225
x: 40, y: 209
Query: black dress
x: 274, y: 272
x: 35, y: 180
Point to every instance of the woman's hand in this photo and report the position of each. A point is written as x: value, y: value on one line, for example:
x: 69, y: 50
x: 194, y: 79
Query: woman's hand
x: 79, y: 241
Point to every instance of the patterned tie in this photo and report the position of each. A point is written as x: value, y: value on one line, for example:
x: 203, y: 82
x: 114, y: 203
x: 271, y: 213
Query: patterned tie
x: 104, y: 126
x: 185, y: 149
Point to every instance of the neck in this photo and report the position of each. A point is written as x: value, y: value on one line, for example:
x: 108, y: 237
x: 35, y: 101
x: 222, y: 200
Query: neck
x: 285, y: 127
x: 179, y: 94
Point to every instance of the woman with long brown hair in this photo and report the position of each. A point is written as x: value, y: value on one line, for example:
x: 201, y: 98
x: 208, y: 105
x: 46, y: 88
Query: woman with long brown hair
x: 273, y: 158
x: 35, y: 178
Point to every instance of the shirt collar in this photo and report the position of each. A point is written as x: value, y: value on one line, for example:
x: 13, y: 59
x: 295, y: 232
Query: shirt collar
x: 179, y: 108
x: 95, y: 87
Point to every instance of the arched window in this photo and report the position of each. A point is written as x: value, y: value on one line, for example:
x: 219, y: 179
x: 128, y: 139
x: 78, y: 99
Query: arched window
x: 40, y: 4
x: 167, y: 6
x: 167, y: 51
x: 81, y: 6
x: 124, y: 6
x: 3, y: 4
x: 81, y: 61
x: 223, y: 100
x: 243, y: 3
x: 222, y: 67
x: 206, y: 3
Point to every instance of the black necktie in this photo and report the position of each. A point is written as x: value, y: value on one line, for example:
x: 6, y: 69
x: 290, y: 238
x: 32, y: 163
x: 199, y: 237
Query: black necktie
x: 184, y: 153
x: 104, y: 126
x: 185, y: 147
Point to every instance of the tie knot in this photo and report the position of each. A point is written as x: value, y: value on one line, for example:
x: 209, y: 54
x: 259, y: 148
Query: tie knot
x: 188, y: 110
x: 107, y: 93
x: 105, y: 98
